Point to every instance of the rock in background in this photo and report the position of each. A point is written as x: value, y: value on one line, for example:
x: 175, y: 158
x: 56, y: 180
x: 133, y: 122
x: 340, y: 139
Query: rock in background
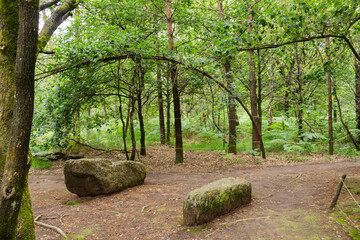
x: 217, y: 198
x: 92, y: 177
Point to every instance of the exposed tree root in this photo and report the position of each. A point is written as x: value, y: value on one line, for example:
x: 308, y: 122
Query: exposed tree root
x: 61, y: 232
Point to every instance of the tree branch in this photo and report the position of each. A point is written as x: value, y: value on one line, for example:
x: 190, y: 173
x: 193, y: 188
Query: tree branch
x: 54, y: 21
x: 269, y: 46
x: 48, y: 4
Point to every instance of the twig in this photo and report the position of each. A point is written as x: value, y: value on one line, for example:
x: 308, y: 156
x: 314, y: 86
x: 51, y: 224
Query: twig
x: 62, y: 216
x: 144, y: 207
x: 37, y: 218
x: 245, y: 219
x: 61, y: 232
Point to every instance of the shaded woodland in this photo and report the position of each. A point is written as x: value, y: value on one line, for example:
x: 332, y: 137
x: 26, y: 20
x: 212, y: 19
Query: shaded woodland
x: 229, y: 76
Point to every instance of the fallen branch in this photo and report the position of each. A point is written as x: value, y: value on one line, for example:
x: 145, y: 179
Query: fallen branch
x: 61, y: 232
x: 338, y: 191
x: 97, y: 149
x: 245, y: 219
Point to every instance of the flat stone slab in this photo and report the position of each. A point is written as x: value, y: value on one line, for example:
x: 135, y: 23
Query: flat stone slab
x: 214, y: 199
x: 92, y: 177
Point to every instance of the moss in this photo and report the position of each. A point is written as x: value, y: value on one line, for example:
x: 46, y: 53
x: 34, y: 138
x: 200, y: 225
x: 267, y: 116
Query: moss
x: 71, y: 203
x: 8, y: 35
x: 26, y: 228
x: 215, y: 199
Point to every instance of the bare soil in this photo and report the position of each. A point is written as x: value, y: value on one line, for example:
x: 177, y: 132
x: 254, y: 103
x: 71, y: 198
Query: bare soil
x: 291, y: 197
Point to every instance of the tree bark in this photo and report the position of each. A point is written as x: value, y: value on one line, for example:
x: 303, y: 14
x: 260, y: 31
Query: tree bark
x: 17, y: 162
x: 160, y: 100
x: 271, y: 102
x: 259, y: 97
x: 132, y: 132
x: 59, y: 15
x: 232, y: 117
x: 140, y: 112
x: 330, y: 110
x: 300, y: 95
x: 8, y: 39
x: 175, y: 91
x: 253, y: 95
x: 168, y: 117
x: 357, y: 97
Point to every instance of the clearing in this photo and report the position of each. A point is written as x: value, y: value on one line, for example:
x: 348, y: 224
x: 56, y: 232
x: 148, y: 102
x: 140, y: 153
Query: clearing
x: 291, y: 197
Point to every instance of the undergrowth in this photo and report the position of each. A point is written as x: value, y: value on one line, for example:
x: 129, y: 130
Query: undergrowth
x: 41, y: 163
x: 281, y: 137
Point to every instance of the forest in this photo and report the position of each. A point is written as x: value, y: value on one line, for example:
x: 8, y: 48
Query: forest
x: 195, y: 90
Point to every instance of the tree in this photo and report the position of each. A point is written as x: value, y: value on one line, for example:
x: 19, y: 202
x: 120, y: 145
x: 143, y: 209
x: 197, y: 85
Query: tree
x: 175, y: 91
x: 9, y: 25
x: 14, y: 182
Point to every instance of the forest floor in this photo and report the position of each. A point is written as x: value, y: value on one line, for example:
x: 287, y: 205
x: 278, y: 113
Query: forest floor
x: 291, y: 198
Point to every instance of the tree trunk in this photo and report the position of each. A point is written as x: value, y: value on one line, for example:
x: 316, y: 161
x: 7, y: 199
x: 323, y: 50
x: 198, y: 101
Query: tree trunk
x: 168, y: 117
x: 357, y: 98
x: 160, y: 100
x: 175, y: 91
x: 300, y: 95
x: 271, y: 102
x: 140, y: 113
x: 9, y: 33
x: 124, y: 130
x: 232, y: 117
x: 259, y: 97
x: 14, y: 182
x: 330, y: 111
x: 253, y: 100
x: 253, y: 95
x: 233, y: 120
x: 132, y: 132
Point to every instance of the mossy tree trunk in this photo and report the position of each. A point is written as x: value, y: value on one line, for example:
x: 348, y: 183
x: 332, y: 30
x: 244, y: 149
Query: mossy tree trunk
x: 9, y: 20
x: 9, y: 25
x: 14, y: 181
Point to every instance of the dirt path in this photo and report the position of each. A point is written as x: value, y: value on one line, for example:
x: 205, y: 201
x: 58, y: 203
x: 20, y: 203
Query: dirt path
x: 289, y: 202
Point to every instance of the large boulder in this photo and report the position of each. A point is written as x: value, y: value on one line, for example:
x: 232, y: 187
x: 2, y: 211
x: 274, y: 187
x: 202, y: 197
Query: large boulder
x: 217, y: 198
x: 91, y: 177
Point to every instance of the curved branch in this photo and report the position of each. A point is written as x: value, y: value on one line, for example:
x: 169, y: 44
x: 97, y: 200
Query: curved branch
x: 60, y: 14
x: 270, y: 46
x: 162, y: 58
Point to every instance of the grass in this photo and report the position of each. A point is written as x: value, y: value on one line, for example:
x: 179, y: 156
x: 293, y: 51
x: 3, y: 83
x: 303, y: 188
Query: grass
x: 347, y: 213
x: 71, y: 203
x: 41, y: 163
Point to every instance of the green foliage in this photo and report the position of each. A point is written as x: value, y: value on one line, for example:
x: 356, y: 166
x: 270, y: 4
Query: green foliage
x: 71, y: 203
x: 41, y: 163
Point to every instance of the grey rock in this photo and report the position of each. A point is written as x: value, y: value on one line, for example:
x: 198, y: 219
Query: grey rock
x: 214, y: 199
x: 92, y: 177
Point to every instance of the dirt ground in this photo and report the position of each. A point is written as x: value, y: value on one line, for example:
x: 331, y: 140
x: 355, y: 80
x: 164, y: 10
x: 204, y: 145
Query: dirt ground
x: 291, y: 197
